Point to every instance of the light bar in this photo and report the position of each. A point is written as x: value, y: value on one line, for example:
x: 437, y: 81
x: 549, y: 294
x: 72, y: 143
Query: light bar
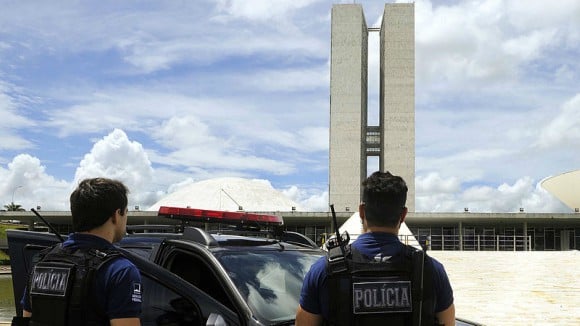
x: 206, y: 215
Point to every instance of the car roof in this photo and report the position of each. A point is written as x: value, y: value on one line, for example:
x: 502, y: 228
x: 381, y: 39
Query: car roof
x: 253, y: 243
x: 233, y: 228
x: 228, y: 239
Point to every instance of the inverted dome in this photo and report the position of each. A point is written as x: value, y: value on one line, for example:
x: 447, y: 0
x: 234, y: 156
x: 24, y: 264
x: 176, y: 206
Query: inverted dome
x: 227, y: 194
x: 565, y: 187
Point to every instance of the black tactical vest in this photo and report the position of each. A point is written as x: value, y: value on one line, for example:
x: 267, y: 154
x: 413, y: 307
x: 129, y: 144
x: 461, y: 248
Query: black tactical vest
x: 395, y: 290
x: 61, y: 287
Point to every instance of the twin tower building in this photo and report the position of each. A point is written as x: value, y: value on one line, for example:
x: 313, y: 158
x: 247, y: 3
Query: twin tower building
x: 352, y: 139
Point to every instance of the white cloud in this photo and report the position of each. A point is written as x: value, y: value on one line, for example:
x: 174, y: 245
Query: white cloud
x: 157, y: 36
x: 12, y: 120
x: 523, y: 193
x: 26, y: 182
x: 528, y: 47
x: 309, y: 199
x: 563, y: 131
x: 434, y: 183
x: 116, y: 157
x: 541, y: 201
x: 536, y: 15
x: 287, y: 80
x: 261, y: 10
x: 470, y: 42
x: 197, y: 147
x: 177, y: 120
x: 130, y: 109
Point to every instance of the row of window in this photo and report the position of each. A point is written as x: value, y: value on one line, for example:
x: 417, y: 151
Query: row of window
x: 477, y: 238
x: 500, y: 238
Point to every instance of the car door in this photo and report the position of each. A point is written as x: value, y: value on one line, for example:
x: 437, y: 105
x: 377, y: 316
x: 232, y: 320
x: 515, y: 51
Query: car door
x: 170, y: 300
x: 22, y: 247
x: 196, y: 265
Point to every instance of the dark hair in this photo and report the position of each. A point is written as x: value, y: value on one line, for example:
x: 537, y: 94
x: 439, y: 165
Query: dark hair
x: 384, y: 197
x: 95, y: 200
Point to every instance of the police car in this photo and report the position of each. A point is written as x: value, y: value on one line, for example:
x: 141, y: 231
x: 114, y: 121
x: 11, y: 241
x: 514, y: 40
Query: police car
x: 198, y: 277
x: 204, y: 273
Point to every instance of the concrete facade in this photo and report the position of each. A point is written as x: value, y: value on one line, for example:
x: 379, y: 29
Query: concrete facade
x: 348, y: 105
x: 397, y: 92
x: 351, y: 139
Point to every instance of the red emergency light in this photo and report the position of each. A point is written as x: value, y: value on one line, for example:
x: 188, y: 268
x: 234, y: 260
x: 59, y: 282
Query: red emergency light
x: 206, y: 215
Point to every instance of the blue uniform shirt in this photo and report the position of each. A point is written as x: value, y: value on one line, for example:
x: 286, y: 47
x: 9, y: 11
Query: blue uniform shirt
x: 117, y: 284
x: 314, y: 295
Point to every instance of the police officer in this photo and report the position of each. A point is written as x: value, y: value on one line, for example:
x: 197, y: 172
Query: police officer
x: 377, y: 279
x: 85, y: 280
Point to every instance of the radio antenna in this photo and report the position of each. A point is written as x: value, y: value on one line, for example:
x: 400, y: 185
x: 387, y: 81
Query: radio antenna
x: 52, y: 229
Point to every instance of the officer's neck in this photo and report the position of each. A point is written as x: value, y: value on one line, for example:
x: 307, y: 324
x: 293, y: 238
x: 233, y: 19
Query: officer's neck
x: 382, y: 229
x: 104, y: 231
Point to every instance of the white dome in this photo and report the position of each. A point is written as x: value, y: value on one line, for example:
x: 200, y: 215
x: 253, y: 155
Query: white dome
x: 227, y: 194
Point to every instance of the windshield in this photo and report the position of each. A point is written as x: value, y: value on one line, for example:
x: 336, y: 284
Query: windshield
x: 269, y: 281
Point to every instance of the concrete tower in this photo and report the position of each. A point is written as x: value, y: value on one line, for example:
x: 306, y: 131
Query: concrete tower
x: 351, y: 139
x: 397, y: 102
x: 348, y: 105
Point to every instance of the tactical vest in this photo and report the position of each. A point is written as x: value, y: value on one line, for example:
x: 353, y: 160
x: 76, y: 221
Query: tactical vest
x: 61, y: 287
x: 396, y: 290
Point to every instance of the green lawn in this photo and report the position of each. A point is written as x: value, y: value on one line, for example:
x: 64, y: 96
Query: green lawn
x: 3, y: 227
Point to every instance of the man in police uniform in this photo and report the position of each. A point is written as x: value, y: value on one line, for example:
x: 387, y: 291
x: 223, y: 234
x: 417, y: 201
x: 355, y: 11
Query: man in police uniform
x: 388, y: 290
x: 58, y: 288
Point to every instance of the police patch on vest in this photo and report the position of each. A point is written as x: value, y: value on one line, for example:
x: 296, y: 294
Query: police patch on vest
x: 50, y: 281
x: 381, y: 297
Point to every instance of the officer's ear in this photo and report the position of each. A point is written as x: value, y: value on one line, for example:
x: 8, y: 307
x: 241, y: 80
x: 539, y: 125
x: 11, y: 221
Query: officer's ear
x: 361, y: 211
x: 403, y: 215
x: 122, y: 212
x: 114, y: 216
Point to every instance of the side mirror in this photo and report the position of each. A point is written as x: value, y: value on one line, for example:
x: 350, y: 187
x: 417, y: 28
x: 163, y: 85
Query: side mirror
x: 215, y: 320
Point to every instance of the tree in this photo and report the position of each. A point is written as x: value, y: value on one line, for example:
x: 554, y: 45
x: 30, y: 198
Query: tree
x: 14, y: 207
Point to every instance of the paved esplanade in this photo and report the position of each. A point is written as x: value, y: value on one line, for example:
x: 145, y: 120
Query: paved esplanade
x: 515, y: 288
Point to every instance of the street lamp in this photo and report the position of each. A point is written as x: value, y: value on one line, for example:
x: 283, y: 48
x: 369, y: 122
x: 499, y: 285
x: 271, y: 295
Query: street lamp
x: 14, y: 191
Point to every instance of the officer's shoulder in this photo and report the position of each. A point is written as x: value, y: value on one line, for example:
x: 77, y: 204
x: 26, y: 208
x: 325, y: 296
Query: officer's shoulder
x: 437, y: 265
x: 320, y: 263
x: 118, y: 262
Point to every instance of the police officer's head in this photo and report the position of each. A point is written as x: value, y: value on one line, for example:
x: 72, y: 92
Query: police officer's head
x: 384, y: 198
x: 95, y: 201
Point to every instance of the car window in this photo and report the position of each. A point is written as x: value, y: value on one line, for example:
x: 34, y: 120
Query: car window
x: 169, y: 300
x: 143, y: 252
x: 192, y: 269
x: 162, y: 306
x: 269, y: 281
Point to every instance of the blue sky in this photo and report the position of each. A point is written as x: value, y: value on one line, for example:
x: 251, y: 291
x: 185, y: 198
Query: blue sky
x: 160, y: 94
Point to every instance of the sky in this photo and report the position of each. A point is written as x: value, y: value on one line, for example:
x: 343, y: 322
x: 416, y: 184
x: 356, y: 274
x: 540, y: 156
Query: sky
x: 161, y: 94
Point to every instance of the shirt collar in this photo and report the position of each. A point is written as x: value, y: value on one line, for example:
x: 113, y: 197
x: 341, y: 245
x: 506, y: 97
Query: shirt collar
x: 87, y: 240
